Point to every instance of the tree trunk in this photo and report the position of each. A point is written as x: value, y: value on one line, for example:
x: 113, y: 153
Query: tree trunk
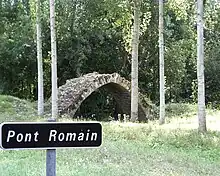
x: 200, y: 68
x: 51, y: 153
x: 54, y: 60
x: 161, y: 59
x: 40, y: 106
x: 134, y: 65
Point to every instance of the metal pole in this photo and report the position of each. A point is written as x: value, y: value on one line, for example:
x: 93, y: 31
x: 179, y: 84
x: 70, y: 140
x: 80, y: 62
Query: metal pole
x: 51, y: 162
x: 51, y: 159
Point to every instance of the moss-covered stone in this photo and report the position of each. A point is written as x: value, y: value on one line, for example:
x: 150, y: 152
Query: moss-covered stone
x: 75, y: 91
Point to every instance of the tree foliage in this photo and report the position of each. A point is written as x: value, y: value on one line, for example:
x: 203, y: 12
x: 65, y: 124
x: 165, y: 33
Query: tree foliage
x: 96, y: 36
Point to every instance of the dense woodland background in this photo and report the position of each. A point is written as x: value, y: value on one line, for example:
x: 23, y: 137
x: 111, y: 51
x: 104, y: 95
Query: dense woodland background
x: 96, y: 36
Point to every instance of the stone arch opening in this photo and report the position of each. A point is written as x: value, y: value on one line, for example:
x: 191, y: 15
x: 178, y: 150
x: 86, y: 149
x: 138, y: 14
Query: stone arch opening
x: 72, y: 94
x: 99, y: 105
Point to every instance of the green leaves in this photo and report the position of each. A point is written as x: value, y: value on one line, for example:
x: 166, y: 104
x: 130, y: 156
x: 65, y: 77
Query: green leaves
x: 96, y: 36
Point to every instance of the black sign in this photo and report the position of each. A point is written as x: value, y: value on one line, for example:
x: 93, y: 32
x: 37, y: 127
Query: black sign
x: 49, y: 135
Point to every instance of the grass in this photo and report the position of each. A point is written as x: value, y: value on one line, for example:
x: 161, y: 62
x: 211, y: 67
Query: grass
x: 15, y: 109
x: 174, y: 149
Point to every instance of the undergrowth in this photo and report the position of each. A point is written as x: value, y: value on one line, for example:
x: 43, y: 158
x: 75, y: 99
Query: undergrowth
x: 175, y: 148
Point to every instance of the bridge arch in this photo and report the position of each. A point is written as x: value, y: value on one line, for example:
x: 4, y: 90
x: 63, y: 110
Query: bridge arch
x: 75, y: 91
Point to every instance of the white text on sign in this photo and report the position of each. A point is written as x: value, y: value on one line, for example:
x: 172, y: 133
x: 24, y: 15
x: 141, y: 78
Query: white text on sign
x: 27, y: 137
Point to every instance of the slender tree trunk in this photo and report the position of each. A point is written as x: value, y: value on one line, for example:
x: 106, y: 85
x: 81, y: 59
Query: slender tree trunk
x: 39, y: 61
x: 134, y: 65
x: 161, y: 58
x: 54, y: 60
x: 200, y: 68
x: 51, y: 153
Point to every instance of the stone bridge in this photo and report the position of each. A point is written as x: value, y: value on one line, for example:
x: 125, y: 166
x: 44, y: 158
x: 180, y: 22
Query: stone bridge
x: 75, y: 91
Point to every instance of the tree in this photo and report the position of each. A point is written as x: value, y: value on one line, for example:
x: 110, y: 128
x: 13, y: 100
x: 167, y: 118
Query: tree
x: 134, y: 65
x: 96, y: 36
x: 161, y: 58
x: 39, y: 60
x: 54, y: 60
x: 200, y: 68
x: 51, y: 153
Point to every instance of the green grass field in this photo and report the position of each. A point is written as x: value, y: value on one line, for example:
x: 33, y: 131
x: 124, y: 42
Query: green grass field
x: 128, y: 149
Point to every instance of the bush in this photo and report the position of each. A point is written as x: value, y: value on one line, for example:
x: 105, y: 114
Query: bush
x: 180, y: 109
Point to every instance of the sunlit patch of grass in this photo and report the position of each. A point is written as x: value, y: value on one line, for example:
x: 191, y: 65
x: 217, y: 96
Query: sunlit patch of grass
x: 180, y: 110
x: 153, y: 133
x: 15, y: 109
x: 184, y: 116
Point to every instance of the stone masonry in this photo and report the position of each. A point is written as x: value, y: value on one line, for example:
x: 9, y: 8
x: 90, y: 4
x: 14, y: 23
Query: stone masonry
x: 75, y: 91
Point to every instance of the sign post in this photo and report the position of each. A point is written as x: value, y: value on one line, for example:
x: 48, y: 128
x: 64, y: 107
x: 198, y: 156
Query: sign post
x: 51, y: 157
